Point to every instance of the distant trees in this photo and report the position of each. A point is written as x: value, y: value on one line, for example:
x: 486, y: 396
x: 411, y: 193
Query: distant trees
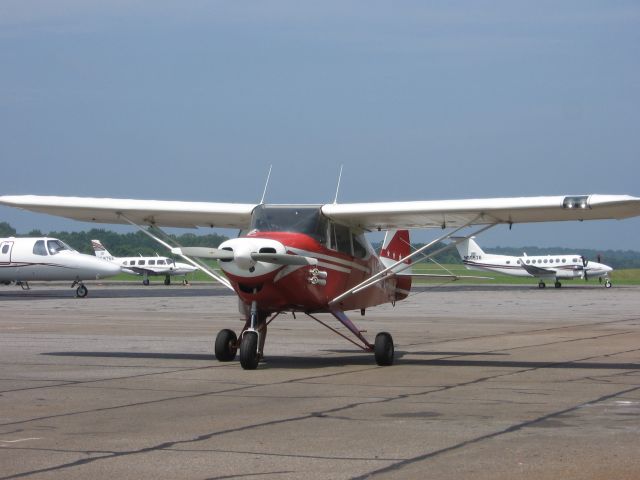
x: 6, y: 230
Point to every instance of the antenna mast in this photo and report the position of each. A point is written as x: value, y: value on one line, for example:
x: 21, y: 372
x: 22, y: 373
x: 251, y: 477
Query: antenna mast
x: 266, y: 184
x: 335, y: 200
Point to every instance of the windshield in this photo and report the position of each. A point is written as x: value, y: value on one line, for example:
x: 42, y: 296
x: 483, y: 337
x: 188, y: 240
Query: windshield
x: 55, y: 246
x: 308, y: 220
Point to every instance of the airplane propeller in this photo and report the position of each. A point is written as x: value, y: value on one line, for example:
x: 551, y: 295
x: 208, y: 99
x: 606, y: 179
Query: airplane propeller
x: 229, y: 255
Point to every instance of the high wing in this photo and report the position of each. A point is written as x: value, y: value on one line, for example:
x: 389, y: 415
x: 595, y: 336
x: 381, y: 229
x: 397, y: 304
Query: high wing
x: 141, y: 212
x: 456, y: 213
x: 368, y: 216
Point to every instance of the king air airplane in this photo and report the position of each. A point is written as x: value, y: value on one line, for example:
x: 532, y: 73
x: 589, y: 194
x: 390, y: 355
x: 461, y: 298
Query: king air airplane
x: 552, y: 268
x: 145, y: 266
x: 46, y: 259
x: 315, y: 259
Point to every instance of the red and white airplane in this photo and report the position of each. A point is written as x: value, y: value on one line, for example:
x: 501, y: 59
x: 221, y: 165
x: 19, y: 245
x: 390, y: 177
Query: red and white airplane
x: 315, y: 258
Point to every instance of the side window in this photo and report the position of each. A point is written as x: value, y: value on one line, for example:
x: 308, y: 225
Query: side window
x: 160, y: 262
x: 39, y: 248
x: 5, y: 248
x: 341, y: 239
x: 140, y: 262
x: 152, y: 262
x: 359, y: 250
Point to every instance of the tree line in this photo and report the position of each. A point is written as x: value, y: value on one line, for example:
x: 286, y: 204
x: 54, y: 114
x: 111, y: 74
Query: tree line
x: 133, y: 244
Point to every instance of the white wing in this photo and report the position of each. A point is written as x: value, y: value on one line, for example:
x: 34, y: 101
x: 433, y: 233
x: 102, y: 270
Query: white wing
x: 142, y: 212
x: 455, y: 213
x: 369, y: 216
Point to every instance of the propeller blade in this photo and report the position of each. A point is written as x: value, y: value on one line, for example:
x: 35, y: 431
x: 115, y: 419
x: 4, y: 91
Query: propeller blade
x: 283, y: 259
x: 204, y: 252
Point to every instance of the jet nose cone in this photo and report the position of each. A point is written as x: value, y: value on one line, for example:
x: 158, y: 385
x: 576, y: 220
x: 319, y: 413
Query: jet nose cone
x: 106, y: 269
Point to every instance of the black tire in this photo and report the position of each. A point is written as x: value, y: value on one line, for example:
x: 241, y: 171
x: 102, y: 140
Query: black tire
x: 249, y: 351
x: 145, y: 281
x: 383, y: 349
x: 82, y: 291
x: 541, y: 285
x: 607, y: 284
x: 167, y: 280
x: 557, y: 284
x: 226, y: 345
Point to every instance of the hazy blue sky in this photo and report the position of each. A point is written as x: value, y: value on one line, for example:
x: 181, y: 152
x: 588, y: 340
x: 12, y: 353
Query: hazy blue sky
x: 419, y: 100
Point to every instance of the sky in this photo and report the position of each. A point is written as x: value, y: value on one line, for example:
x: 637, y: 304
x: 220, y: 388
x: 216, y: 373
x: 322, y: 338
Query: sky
x: 418, y: 100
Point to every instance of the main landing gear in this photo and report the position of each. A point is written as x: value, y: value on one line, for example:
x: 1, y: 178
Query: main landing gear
x: 541, y: 284
x: 254, y: 333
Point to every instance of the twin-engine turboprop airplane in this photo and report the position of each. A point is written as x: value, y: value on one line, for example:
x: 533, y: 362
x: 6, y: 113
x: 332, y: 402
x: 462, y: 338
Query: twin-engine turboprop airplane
x: 544, y: 267
x: 145, y: 266
x: 315, y: 258
x: 46, y: 259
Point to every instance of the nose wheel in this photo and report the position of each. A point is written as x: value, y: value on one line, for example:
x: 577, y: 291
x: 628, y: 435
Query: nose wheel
x: 249, y: 356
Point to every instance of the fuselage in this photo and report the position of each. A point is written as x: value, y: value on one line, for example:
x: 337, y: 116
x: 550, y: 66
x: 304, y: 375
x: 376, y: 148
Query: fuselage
x: 151, y: 265
x: 344, y: 259
x: 42, y: 258
x: 559, y: 266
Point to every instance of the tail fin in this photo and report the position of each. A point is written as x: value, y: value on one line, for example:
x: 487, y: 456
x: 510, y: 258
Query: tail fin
x: 468, y: 248
x: 395, y: 247
x: 100, y: 251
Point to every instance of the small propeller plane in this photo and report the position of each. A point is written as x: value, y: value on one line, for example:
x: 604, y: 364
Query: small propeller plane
x: 544, y: 267
x: 315, y: 258
x: 25, y: 259
x: 145, y: 266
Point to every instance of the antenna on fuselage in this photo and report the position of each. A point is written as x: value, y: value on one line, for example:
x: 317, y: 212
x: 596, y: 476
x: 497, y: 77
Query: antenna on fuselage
x: 266, y: 184
x: 335, y: 200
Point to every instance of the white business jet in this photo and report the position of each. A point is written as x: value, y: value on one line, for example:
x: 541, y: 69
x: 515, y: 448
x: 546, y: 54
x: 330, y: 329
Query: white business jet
x: 46, y: 259
x: 544, y: 267
x: 145, y: 266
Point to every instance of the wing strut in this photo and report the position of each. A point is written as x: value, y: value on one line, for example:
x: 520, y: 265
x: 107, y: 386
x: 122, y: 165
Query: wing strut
x: 380, y: 276
x: 201, y: 265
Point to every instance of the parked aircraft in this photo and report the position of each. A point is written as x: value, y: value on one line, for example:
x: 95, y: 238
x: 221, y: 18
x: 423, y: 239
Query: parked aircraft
x: 25, y: 259
x: 145, y: 266
x: 550, y: 268
x: 315, y: 258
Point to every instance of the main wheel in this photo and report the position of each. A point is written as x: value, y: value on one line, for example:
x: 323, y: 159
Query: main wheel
x: 249, y: 351
x: 82, y: 291
x: 167, y: 280
x: 541, y: 285
x: 607, y: 284
x: 557, y: 284
x: 226, y: 345
x: 145, y: 281
x: 383, y: 349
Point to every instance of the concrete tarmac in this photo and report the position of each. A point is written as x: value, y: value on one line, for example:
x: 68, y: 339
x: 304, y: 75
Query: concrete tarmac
x: 489, y: 383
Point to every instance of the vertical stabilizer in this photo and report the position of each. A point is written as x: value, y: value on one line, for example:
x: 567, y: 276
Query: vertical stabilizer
x: 468, y: 248
x: 100, y: 251
x: 395, y: 247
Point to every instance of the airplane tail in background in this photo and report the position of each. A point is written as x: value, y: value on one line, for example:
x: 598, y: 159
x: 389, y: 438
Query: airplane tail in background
x: 468, y: 248
x: 99, y: 250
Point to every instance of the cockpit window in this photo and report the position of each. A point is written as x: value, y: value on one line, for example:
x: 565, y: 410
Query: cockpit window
x: 39, y: 248
x: 274, y: 218
x: 55, y: 246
